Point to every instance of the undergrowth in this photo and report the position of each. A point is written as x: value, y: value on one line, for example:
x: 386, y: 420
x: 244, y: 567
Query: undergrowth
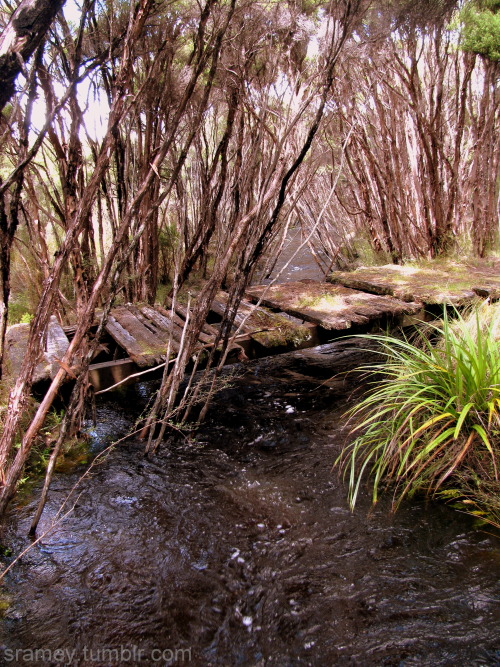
x: 431, y: 421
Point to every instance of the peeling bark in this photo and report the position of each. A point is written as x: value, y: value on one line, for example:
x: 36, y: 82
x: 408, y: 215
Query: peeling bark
x: 20, y: 38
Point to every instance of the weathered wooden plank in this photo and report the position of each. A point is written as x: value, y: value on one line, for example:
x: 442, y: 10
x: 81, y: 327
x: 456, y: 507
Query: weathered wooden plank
x: 432, y: 283
x: 122, y: 337
x: 178, y: 325
x: 160, y: 322
x: 160, y: 326
x: 108, y: 373
x: 208, y: 340
x: 219, y: 305
x: 128, y: 319
x: 181, y: 312
x: 70, y: 329
x: 140, y: 343
x: 248, y: 317
x: 148, y: 324
x: 141, y: 329
x: 173, y: 317
x: 265, y: 327
x: 167, y: 330
x: 331, y: 307
x: 276, y: 297
x: 485, y: 279
x: 205, y: 337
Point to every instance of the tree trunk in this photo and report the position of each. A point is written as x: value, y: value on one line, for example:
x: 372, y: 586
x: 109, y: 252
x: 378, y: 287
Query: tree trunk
x: 20, y: 38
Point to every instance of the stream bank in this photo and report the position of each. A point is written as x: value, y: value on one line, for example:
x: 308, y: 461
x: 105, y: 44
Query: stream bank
x: 236, y: 545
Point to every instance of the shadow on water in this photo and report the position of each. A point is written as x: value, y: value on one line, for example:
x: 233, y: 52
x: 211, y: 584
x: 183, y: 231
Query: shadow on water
x: 237, y: 547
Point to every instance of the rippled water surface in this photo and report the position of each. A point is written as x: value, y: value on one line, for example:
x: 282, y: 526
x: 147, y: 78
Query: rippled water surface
x: 237, y: 546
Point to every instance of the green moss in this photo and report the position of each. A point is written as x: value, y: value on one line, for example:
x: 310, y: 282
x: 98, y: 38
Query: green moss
x: 356, y: 302
x: 266, y: 319
x: 5, y: 603
x: 434, y: 281
x: 284, y: 335
x: 324, y: 301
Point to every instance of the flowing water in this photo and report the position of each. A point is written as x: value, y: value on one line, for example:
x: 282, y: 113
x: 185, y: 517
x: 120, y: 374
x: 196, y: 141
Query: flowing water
x: 235, y: 546
x: 295, y: 262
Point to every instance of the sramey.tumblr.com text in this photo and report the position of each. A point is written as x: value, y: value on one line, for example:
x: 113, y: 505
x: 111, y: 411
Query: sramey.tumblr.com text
x: 116, y: 655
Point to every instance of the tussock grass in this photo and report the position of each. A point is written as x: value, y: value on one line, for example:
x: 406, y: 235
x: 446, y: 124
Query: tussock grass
x: 431, y: 421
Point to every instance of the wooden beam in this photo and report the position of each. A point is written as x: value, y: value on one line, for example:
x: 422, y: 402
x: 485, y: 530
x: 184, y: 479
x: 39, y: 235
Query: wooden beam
x: 108, y: 373
x: 332, y: 307
x: 264, y: 327
x: 181, y: 312
x: 139, y: 343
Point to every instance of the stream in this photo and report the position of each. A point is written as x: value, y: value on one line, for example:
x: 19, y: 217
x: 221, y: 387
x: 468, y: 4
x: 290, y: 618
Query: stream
x: 234, y: 545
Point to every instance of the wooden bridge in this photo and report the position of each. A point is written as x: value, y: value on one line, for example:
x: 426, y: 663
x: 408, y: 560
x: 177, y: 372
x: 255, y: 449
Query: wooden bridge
x: 270, y: 320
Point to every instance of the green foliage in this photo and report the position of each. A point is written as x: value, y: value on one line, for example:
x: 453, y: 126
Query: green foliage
x: 491, y: 5
x: 480, y: 28
x: 359, y: 251
x: 162, y: 291
x: 40, y: 453
x: 168, y: 237
x: 434, y: 414
x: 321, y: 301
x: 5, y: 552
x: 25, y: 279
x: 26, y: 318
x: 38, y: 459
x: 75, y: 452
x: 20, y: 311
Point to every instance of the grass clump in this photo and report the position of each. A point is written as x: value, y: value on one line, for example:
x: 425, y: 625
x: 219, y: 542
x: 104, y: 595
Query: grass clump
x: 431, y: 423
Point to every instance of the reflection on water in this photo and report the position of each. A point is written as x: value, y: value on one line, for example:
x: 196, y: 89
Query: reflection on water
x: 238, y: 546
x: 295, y: 262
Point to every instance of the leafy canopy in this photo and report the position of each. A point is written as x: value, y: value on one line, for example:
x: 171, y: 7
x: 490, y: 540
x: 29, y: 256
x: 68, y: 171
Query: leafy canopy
x: 480, y: 28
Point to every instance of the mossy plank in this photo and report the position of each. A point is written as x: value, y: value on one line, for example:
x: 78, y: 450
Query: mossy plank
x: 267, y: 328
x: 167, y: 330
x: 182, y: 312
x: 243, y: 318
x: 157, y: 324
x: 151, y: 326
x: 332, y: 307
x: 125, y: 340
x: 436, y: 282
x: 139, y: 342
x: 143, y: 330
x: 160, y: 322
x: 204, y: 338
x: 178, y: 325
